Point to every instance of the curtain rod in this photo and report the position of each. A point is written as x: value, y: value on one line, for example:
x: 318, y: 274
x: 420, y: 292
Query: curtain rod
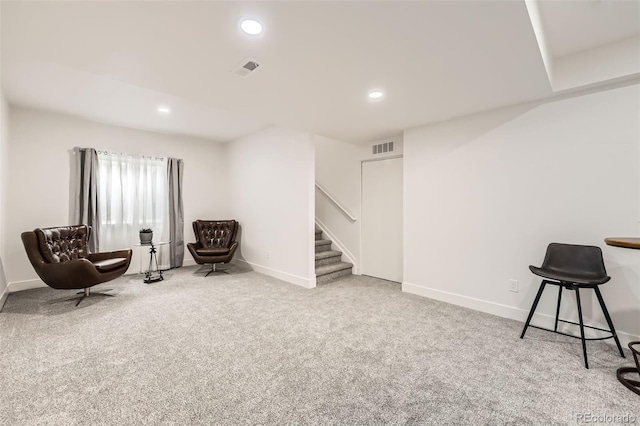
x: 130, y: 155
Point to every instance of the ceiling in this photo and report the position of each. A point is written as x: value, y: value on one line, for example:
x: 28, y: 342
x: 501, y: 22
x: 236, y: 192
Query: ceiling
x: 575, y: 26
x: 116, y: 61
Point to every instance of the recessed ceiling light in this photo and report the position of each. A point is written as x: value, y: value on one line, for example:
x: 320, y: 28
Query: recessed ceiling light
x: 163, y: 109
x: 251, y: 26
x: 375, y: 94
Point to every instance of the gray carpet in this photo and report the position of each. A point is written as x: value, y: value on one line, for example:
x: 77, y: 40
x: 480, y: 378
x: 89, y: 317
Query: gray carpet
x: 245, y: 348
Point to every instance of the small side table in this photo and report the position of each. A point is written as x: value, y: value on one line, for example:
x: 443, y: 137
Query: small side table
x: 625, y: 374
x: 152, y: 275
x: 628, y: 375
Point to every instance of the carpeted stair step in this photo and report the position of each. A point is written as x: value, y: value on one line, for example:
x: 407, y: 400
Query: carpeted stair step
x: 318, y: 234
x: 328, y: 257
x: 323, y: 245
x: 327, y: 273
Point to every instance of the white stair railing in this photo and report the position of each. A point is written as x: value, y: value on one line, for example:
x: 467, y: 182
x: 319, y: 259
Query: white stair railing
x: 335, y: 202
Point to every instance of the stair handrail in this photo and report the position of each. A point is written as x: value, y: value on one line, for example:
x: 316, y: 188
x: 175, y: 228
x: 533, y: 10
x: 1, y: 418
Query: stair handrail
x: 335, y: 202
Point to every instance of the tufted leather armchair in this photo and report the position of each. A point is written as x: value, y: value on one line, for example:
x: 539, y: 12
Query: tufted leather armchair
x: 61, y: 258
x: 215, y: 242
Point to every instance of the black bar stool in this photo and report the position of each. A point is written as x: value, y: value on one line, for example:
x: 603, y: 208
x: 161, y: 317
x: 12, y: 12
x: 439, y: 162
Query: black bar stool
x: 573, y: 267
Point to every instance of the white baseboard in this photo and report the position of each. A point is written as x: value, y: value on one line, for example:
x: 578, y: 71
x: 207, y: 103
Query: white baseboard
x: 189, y: 262
x: 25, y: 285
x: 3, y: 297
x: 14, y: 286
x: 345, y: 251
x: 503, y: 311
x: 284, y: 276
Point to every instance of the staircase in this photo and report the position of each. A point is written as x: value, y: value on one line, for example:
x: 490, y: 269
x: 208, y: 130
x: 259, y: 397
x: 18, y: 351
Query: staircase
x: 329, y: 264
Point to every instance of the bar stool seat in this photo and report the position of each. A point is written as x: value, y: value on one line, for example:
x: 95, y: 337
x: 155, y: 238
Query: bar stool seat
x: 573, y: 267
x: 578, y: 278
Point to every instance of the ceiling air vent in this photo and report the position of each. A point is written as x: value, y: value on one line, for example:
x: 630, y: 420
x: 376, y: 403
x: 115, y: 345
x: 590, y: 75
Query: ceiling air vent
x: 245, y: 68
x: 383, y: 148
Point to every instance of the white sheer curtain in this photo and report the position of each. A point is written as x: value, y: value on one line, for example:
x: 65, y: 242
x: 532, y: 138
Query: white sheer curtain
x: 133, y: 195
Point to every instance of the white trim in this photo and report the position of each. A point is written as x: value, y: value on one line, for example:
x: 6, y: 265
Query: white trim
x: 345, y: 251
x: 25, y: 285
x: 538, y: 31
x: 188, y: 262
x: 504, y: 311
x: 3, y: 297
x: 14, y: 286
x: 389, y: 157
x: 284, y: 276
x: 335, y: 202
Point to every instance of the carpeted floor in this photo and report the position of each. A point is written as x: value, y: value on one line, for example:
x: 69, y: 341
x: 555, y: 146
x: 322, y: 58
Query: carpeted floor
x: 245, y: 348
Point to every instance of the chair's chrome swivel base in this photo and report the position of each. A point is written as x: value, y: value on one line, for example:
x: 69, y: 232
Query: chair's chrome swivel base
x: 213, y: 269
x: 87, y: 293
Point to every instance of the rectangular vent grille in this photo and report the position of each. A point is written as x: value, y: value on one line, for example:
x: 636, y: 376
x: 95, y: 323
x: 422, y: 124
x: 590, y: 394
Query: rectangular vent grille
x: 246, y: 67
x: 251, y: 65
x: 383, y: 148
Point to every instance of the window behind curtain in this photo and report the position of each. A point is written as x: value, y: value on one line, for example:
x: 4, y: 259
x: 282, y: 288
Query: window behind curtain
x: 133, y: 194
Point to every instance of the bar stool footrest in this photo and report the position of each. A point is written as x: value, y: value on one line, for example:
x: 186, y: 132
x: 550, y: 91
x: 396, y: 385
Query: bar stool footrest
x: 576, y: 337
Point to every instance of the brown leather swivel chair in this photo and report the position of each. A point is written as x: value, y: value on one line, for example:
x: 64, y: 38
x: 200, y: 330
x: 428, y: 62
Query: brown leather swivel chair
x: 215, y: 242
x: 61, y: 258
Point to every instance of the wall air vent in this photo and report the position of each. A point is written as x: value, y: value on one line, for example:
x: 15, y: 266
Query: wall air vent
x: 246, y: 68
x: 383, y: 148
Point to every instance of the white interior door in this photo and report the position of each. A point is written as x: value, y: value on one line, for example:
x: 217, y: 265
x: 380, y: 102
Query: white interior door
x: 382, y: 219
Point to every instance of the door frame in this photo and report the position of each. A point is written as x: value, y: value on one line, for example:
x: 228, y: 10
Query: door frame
x: 370, y: 160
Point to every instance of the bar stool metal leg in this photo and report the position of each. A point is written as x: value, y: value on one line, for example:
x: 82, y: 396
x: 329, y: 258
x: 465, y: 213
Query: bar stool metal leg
x: 584, y: 342
x: 555, y: 327
x: 533, y: 308
x: 609, y: 322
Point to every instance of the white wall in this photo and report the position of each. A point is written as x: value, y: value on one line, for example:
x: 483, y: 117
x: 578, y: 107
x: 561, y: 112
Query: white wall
x: 4, y: 135
x: 271, y: 181
x: 38, y: 193
x: 366, y: 150
x: 484, y: 195
x: 609, y: 62
x: 338, y: 172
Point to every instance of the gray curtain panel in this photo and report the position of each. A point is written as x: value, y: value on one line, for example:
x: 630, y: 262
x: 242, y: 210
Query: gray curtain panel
x: 175, y: 170
x: 85, y: 209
